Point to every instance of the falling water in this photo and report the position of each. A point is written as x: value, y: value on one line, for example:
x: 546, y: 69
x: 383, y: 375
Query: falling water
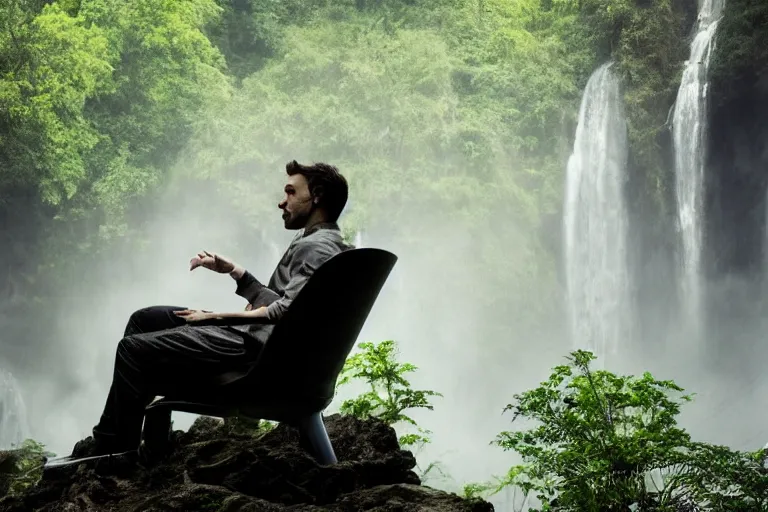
x: 596, y: 220
x: 689, y: 132
x: 13, y: 413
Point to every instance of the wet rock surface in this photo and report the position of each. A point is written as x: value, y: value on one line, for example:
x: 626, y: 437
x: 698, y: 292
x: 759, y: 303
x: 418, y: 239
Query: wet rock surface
x: 212, y: 468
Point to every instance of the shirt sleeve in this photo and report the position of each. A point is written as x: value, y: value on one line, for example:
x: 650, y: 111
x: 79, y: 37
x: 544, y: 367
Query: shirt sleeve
x: 307, y: 258
x: 252, y: 290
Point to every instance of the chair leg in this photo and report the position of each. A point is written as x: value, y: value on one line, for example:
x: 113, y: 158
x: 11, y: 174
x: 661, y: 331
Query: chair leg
x: 313, y: 430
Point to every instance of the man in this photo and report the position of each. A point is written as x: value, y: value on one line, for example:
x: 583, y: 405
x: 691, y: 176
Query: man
x: 165, y: 350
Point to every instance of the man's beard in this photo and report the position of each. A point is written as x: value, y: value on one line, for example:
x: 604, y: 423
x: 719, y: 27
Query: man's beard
x: 295, y: 221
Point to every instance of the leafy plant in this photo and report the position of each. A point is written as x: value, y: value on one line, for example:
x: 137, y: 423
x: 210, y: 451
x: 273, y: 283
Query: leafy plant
x: 476, y: 489
x: 390, y: 392
x: 27, y: 468
x: 729, y: 480
x: 389, y: 396
x: 603, y: 442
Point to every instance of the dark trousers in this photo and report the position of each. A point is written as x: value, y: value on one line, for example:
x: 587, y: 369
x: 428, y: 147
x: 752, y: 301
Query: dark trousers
x: 161, y: 355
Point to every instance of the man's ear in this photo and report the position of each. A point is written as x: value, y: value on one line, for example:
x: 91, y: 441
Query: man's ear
x: 317, y: 194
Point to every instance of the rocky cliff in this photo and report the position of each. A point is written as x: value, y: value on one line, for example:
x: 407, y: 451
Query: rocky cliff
x: 738, y: 140
x: 212, y: 468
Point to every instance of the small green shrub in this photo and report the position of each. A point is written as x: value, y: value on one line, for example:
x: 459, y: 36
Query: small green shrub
x: 27, y: 466
x: 597, y: 441
x: 390, y: 393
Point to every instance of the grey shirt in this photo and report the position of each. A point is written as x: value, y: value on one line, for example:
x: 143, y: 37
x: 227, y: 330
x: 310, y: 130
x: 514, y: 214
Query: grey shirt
x: 308, y: 250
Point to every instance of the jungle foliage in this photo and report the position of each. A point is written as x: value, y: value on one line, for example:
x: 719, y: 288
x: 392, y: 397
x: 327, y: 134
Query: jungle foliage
x: 590, y: 440
x: 108, y: 107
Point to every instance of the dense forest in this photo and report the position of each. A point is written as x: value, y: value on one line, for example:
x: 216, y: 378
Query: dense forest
x: 452, y: 119
x: 112, y: 109
x: 109, y: 106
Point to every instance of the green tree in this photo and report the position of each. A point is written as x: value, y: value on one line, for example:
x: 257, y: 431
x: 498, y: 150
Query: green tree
x: 249, y: 33
x: 96, y: 100
x: 166, y: 74
x: 50, y: 65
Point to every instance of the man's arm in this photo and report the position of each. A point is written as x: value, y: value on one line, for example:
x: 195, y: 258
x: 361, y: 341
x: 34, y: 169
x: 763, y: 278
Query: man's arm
x: 251, y: 289
x: 248, y: 286
x: 307, y: 258
x: 257, y: 315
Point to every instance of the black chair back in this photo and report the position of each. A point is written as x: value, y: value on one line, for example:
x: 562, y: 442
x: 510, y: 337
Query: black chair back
x: 309, y: 345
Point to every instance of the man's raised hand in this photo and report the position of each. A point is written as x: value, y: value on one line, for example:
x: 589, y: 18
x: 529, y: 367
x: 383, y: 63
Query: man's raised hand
x: 212, y: 261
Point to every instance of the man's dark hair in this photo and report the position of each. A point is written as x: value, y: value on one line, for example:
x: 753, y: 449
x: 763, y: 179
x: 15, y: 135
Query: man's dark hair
x: 325, y: 182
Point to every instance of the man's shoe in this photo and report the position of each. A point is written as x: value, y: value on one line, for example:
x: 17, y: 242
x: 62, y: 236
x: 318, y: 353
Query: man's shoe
x: 91, y: 449
x: 94, y: 447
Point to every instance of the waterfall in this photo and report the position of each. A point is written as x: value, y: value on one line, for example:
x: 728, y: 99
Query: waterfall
x: 596, y: 220
x: 13, y: 413
x: 689, y: 132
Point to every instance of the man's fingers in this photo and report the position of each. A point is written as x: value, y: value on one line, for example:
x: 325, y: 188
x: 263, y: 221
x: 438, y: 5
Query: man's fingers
x: 183, y: 312
x: 208, y: 254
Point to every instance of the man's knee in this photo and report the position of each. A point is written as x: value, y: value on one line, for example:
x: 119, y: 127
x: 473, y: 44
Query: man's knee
x: 132, y: 347
x: 152, y: 319
x: 141, y: 314
x: 137, y: 321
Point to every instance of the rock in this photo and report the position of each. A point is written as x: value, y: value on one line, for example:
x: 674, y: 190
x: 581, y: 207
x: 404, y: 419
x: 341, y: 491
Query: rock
x: 213, y: 468
x: 407, y: 497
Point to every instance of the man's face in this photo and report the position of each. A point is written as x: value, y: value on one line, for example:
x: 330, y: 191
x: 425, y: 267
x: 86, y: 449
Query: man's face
x: 297, y: 203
